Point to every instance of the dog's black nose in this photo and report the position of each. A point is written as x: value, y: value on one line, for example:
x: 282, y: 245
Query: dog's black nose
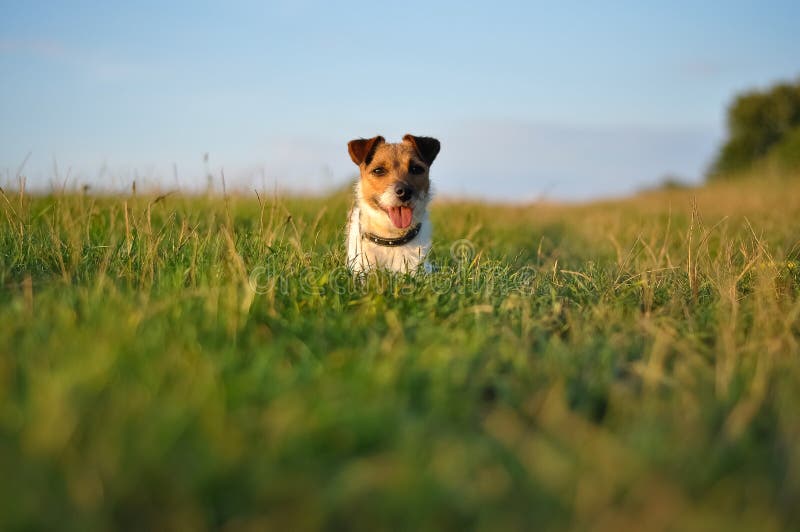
x: 403, y: 191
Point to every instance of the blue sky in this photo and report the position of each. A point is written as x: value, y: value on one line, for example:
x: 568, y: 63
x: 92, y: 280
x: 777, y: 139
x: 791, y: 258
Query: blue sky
x: 572, y: 101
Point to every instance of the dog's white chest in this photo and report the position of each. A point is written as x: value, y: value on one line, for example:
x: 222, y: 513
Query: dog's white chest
x: 363, y: 254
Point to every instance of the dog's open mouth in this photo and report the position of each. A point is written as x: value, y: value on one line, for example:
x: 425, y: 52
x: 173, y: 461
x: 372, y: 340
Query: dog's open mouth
x: 400, y: 216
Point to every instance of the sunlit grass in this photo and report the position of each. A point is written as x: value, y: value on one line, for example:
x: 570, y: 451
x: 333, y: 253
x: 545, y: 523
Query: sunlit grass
x: 179, y: 362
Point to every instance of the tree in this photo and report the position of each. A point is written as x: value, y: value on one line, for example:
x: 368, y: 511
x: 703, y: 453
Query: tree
x: 762, y: 126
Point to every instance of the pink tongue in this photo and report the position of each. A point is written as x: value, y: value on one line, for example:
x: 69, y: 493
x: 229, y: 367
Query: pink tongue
x: 401, y: 216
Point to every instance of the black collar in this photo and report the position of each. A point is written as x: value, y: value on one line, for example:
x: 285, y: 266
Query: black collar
x: 393, y: 242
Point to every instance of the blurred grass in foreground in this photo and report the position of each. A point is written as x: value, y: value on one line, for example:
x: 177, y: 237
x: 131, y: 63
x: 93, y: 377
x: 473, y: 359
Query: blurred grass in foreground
x: 190, y: 363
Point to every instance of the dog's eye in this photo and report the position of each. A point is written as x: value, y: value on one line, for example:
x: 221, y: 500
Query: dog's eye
x: 379, y: 171
x: 416, y: 169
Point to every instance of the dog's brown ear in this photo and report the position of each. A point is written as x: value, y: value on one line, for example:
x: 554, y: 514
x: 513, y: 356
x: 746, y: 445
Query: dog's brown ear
x: 361, y: 150
x: 427, y: 147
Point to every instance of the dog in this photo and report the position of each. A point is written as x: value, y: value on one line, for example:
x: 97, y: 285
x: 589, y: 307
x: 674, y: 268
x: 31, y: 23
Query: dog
x: 388, y: 226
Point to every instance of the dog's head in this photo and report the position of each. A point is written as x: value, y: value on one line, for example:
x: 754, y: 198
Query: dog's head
x: 395, y: 177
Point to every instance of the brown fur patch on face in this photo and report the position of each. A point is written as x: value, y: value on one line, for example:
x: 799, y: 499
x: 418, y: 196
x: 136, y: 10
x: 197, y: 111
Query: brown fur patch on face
x: 390, y: 164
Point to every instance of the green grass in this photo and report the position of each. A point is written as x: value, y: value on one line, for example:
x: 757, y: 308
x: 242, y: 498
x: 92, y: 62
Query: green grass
x: 192, y: 363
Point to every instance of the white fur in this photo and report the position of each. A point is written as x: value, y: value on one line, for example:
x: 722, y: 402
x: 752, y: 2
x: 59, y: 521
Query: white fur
x: 363, y: 255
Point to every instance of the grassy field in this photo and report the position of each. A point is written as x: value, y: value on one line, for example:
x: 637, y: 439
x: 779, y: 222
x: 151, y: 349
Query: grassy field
x: 195, y: 363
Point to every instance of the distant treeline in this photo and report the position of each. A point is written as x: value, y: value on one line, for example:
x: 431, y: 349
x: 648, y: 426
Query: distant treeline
x: 763, y: 131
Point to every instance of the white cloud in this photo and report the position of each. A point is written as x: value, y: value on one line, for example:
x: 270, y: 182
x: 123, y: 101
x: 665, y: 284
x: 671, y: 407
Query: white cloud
x: 523, y: 161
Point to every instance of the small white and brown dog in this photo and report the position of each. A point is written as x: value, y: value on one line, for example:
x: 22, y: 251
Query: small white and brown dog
x: 388, y: 226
